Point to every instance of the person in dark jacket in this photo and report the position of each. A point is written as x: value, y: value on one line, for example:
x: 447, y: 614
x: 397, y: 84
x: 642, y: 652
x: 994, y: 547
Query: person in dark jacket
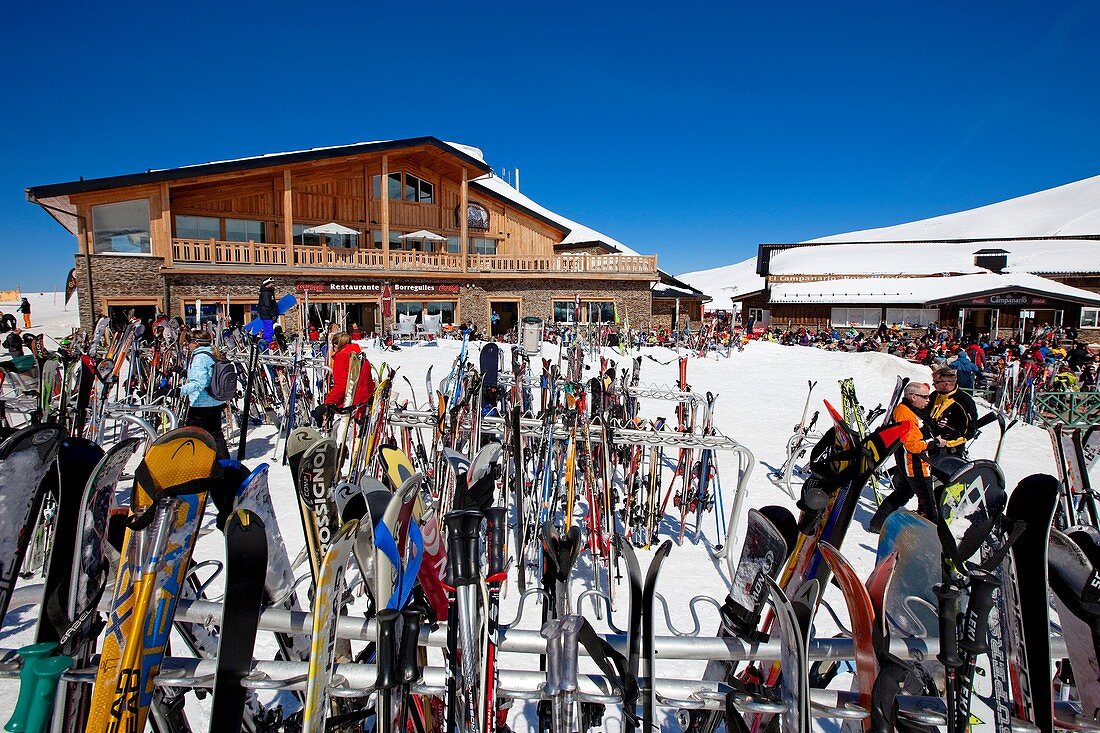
x: 14, y: 342
x: 25, y: 309
x: 913, y: 474
x: 7, y: 322
x: 206, y: 412
x: 267, y: 309
x: 953, y: 413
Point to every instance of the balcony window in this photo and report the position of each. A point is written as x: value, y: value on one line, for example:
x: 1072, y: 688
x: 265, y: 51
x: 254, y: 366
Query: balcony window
x: 244, y: 230
x: 483, y: 246
x: 396, y: 242
x: 414, y: 189
x: 198, y: 227
x: 121, y: 228
x: 454, y: 245
x: 1090, y: 317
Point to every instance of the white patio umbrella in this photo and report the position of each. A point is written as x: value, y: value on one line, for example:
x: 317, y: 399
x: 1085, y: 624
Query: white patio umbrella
x: 330, y: 228
x: 423, y: 235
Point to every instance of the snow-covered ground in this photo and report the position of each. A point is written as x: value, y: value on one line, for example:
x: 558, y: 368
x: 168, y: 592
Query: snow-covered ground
x: 761, y: 394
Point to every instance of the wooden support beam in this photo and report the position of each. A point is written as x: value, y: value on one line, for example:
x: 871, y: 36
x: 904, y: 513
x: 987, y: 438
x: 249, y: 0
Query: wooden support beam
x: 166, y: 223
x: 463, y: 219
x: 385, y: 188
x: 288, y: 217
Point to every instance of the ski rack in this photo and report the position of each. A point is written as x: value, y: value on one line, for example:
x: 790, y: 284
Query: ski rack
x: 534, y: 428
x: 797, y: 445
x: 358, y: 679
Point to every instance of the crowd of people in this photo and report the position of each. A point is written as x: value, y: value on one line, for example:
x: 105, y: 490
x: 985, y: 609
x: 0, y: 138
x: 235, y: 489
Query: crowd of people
x: 1053, y: 358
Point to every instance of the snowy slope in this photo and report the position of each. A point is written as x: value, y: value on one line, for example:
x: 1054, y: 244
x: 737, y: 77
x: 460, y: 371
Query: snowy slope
x: 1072, y: 209
x: 761, y: 393
x: 727, y: 283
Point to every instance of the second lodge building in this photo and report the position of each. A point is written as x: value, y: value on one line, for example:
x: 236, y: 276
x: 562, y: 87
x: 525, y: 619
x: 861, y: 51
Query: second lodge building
x: 422, y: 222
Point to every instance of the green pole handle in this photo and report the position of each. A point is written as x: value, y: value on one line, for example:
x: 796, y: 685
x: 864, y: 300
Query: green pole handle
x: 31, y: 655
x: 48, y: 673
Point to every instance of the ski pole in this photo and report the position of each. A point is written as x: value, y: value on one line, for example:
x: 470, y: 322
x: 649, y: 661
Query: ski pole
x: 387, y: 668
x: 570, y: 629
x: 47, y: 674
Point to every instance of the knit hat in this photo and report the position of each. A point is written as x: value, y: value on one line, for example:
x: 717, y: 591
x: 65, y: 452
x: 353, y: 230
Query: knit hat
x: 268, y: 281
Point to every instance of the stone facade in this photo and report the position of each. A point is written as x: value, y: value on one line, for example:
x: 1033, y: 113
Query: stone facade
x: 664, y: 311
x: 120, y: 280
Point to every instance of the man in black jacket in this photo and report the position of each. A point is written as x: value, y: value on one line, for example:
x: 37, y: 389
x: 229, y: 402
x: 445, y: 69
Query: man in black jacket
x: 267, y: 309
x: 953, y: 412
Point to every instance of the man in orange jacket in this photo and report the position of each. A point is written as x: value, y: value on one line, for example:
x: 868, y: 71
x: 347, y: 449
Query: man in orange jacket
x: 913, y: 471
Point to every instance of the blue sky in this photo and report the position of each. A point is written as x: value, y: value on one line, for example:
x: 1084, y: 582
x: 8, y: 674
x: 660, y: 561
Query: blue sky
x: 695, y: 131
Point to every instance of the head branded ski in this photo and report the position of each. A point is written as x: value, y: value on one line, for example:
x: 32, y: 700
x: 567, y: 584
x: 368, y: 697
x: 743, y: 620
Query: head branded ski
x: 165, y: 513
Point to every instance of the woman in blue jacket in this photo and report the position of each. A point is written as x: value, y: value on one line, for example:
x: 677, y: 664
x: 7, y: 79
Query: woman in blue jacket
x: 206, y: 412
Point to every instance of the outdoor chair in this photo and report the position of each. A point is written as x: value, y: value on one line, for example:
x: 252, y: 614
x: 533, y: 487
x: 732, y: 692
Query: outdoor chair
x: 432, y: 327
x: 406, y: 328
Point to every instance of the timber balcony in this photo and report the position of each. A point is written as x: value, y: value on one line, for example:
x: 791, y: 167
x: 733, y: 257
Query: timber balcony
x: 245, y: 255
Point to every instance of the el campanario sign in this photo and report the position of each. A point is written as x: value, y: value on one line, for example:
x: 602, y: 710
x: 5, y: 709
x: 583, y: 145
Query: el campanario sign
x: 375, y: 288
x: 1009, y: 299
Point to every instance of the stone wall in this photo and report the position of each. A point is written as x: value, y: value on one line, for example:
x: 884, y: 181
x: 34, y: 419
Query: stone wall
x: 664, y: 310
x: 538, y: 296
x: 115, y: 277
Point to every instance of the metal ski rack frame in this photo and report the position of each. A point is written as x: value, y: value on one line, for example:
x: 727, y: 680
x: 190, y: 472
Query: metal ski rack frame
x: 534, y: 428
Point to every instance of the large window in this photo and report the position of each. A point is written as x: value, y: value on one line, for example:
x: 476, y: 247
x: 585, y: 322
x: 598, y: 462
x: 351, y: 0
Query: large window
x: 122, y: 227
x: 414, y: 189
x: 454, y: 245
x: 444, y: 307
x: 857, y: 317
x: 592, y: 311
x: 198, y: 227
x: 483, y: 246
x: 1090, y: 318
x: 332, y: 240
x: 244, y: 230
x: 911, y: 317
x: 396, y: 242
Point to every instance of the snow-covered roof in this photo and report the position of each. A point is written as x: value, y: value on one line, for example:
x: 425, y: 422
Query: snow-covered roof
x: 1069, y: 210
x: 730, y: 282
x: 578, y: 233
x: 931, y: 258
x: 910, y: 290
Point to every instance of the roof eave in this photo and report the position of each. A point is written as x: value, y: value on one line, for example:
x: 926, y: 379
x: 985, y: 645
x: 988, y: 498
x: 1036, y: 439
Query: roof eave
x: 244, y: 164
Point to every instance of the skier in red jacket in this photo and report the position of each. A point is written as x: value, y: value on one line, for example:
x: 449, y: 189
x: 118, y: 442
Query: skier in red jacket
x: 364, y: 387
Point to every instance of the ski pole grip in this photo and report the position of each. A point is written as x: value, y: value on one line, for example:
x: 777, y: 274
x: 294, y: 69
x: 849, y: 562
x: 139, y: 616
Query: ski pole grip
x: 387, y: 648
x: 409, y: 663
x: 570, y: 647
x: 948, y: 597
x: 47, y: 673
x: 975, y: 639
x: 497, y: 517
x: 551, y: 631
x: 463, y: 531
x: 32, y: 655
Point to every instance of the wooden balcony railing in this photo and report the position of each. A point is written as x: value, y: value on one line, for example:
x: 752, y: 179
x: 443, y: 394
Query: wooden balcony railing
x: 212, y: 252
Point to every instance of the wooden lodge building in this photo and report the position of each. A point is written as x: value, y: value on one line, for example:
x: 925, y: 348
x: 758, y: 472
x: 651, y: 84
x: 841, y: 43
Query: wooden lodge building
x: 1005, y: 268
x: 409, y: 227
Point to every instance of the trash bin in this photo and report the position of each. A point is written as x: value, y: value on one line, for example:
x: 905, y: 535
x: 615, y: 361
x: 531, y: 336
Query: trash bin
x: 531, y: 335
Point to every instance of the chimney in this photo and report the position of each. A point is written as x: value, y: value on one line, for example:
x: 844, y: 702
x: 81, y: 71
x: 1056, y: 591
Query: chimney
x: 517, y: 180
x: 994, y: 260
